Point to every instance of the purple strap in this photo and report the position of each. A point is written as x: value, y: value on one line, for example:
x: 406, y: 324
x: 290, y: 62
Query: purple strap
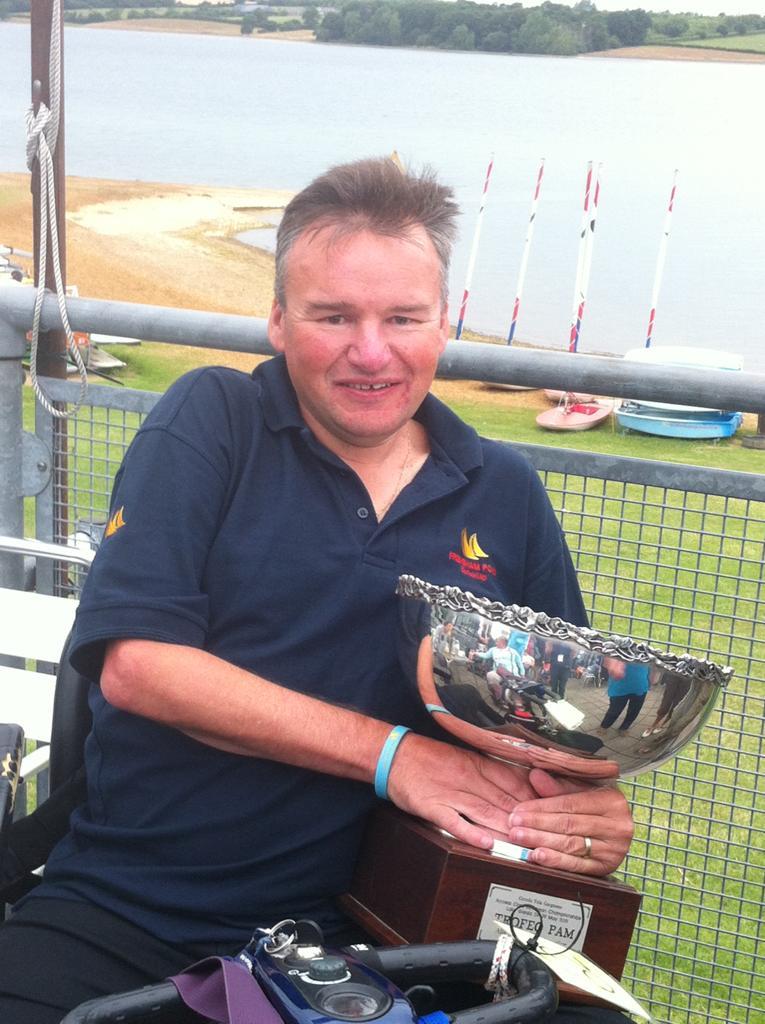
x: 224, y: 991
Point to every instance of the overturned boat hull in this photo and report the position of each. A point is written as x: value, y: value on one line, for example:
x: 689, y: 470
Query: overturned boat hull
x: 676, y: 422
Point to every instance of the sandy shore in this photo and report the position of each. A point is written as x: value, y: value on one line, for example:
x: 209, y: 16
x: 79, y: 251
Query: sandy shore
x: 681, y: 53
x: 200, y: 26
x: 163, y: 245
x: 167, y: 245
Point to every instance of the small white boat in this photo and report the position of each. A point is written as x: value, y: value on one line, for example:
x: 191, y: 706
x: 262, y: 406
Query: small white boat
x: 100, y: 360
x: 113, y: 339
x: 572, y: 414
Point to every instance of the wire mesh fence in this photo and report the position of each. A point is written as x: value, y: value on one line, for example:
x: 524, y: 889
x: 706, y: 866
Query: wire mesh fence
x: 685, y: 569
x: 663, y: 552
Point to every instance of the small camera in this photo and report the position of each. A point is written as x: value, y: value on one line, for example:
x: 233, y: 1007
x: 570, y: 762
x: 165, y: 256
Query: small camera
x: 309, y: 985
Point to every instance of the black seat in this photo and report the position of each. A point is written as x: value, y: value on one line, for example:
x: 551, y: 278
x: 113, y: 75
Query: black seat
x: 28, y: 841
x: 71, y: 724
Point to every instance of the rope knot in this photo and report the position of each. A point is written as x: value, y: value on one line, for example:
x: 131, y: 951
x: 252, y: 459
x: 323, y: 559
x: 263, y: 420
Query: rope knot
x: 498, y: 981
x: 39, y: 126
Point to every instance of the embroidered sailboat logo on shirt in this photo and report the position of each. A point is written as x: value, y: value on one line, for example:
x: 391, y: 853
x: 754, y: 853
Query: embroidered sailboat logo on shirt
x: 115, y: 523
x: 471, y: 548
x: 471, y: 558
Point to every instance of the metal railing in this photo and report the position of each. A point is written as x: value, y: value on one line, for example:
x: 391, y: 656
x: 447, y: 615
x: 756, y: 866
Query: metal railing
x: 662, y: 550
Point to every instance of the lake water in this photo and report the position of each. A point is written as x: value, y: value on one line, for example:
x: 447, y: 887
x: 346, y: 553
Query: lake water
x: 248, y: 112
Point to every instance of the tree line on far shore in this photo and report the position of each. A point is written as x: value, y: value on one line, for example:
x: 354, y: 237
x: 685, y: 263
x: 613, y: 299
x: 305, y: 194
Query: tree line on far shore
x: 550, y: 28
x: 510, y: 28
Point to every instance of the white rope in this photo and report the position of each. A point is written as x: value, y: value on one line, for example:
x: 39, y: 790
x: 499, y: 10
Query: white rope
x: 498, y: 981
x: 42, y: 134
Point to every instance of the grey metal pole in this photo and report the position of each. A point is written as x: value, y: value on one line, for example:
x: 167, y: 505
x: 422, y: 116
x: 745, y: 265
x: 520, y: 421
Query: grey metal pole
x: 11, y: 497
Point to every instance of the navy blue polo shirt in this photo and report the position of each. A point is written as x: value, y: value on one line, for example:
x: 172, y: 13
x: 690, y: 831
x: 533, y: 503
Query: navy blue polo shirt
x: 234, y: 530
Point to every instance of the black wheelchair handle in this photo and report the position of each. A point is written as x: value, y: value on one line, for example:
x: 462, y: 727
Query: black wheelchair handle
x: 537, y: 998
x: 441, y: 961
x: 159, y: 1002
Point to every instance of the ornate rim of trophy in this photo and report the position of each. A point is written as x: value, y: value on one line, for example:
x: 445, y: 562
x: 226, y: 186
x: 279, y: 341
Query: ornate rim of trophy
x: 517, y: 617
x: 576, y: 740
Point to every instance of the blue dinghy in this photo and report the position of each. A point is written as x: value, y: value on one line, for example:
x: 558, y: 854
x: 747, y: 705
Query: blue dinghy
x: 666, y: 420
x: 699, y: 423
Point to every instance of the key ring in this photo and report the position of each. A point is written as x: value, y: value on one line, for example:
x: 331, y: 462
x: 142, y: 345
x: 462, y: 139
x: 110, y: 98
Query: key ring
x: 273, y: 940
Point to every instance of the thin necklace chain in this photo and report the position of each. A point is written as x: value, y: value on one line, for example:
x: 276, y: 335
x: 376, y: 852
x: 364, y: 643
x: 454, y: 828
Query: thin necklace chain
x: 397, y: 489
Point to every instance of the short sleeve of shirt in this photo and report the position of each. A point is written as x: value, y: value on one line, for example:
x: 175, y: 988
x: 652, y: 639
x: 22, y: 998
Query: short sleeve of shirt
x: 550, y: 584
x: 167, y: 502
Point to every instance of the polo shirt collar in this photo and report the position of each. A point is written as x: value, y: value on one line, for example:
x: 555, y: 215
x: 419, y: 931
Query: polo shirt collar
x: 279, y: 401
x: 452, y: 440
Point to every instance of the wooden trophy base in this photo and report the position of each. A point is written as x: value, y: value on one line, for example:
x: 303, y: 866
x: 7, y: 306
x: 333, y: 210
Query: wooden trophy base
x: 413, y: 884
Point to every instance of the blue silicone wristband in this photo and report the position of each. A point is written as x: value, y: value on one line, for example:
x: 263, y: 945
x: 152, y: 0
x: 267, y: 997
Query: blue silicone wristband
x: 385, y: 759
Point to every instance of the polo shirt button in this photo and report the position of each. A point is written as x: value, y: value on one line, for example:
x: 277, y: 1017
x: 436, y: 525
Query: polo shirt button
x: 362, y: 513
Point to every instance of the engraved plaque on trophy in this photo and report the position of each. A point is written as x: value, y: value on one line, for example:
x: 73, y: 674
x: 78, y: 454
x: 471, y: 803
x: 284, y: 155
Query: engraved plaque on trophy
x: 537, y: 692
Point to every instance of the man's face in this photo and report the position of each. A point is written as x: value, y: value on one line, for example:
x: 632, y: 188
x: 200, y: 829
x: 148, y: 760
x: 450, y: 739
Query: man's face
x: 362, y: 331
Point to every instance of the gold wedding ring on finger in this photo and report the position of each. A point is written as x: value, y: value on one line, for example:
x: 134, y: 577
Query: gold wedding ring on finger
x: 587, y: 851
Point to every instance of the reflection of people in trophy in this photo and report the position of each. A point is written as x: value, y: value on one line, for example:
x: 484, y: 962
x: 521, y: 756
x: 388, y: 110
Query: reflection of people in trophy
x: 444, y: 640
x: 506, y: 661
x: 524, y: 645
x: 537, y: 648
x: 627, y: 688
x: 596, y: 674
x: 519, y: 641
x: 676, y: 687
x: 561, y: 660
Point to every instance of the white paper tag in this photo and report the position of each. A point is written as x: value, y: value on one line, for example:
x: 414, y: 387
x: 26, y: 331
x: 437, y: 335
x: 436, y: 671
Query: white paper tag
x: 561, y: 918
x: 509, y: 851
x: 500, y: 848
x: 573, y: 967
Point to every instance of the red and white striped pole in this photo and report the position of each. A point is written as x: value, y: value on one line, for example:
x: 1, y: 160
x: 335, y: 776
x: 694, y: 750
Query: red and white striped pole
x: 526, y: 250
x: 474, y: 250
x: 573, y: 335
x: 585, y: 282
x: 660, y: 262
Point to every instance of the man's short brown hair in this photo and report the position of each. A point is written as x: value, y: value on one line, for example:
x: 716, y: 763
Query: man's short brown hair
x: 370, y: 195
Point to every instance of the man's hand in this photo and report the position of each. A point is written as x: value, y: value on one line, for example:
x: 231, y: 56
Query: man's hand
x: 458, y: 790
x: 478, y: 799
x: 555, y: 825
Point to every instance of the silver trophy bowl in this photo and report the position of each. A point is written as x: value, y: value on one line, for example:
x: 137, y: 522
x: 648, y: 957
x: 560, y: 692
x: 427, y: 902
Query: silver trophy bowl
x: 540, y: 692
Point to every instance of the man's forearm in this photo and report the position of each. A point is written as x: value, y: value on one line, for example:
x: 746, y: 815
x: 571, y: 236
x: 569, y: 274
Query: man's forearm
x: 472, y: 796
x: 234, y: 710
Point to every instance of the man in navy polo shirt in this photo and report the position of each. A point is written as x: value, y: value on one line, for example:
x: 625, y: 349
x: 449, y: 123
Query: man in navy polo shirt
x: 239, y: 622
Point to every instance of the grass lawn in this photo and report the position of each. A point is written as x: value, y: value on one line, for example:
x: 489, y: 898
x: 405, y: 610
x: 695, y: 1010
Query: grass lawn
x: 754, y: 43
x: 514, y: 422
